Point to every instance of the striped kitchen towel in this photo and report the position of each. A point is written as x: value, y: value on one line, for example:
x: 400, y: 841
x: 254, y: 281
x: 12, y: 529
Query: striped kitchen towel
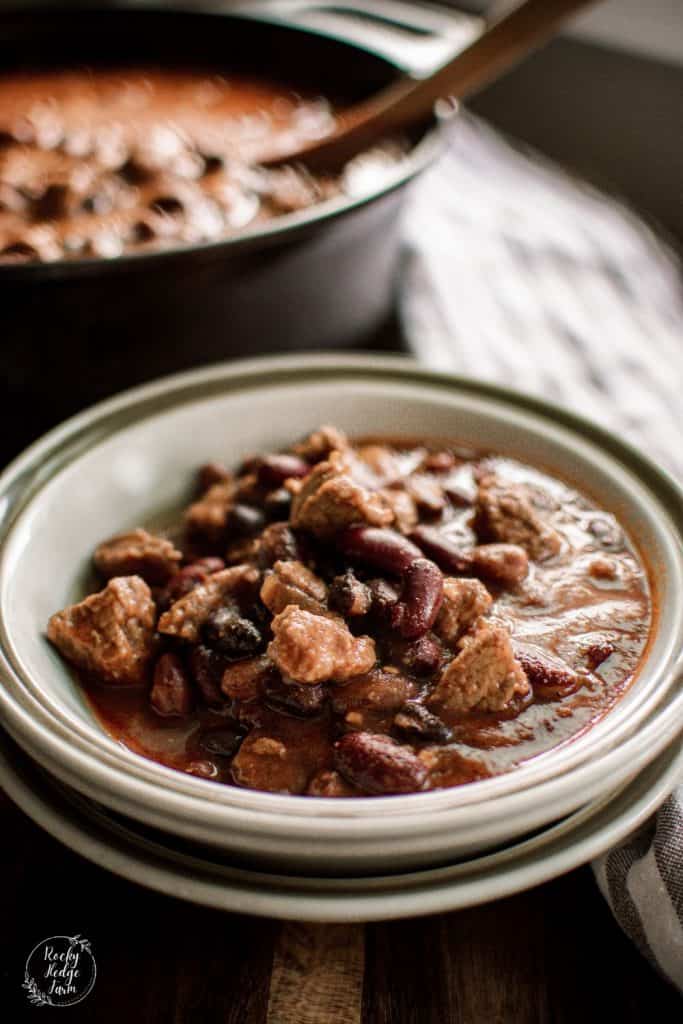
x: 517, y: 273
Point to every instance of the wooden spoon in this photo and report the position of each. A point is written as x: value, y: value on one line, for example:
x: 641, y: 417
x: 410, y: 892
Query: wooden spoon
x: 409, y: 101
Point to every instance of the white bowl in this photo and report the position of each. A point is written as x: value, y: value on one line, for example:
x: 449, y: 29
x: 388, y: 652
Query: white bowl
x: 126, y: 460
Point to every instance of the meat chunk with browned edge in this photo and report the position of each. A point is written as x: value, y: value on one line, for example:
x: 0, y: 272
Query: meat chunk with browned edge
x: 505, y: 564
x: 330, y: 499
x: 464, y: 601
x: 109, y: 634
x: 208, y: 517
x: 329, y: 783
x: 281, y: 759
x: 186, y: 617
x: 485, y: 675
x: 171, y: 694
x: 292, y: 583
x: 311, y: 648
x: 505, y: 513
x: 138, y: 553
x: 320, y: 443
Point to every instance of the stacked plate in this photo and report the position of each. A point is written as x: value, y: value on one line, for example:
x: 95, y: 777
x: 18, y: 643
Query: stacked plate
x: 94, y: 476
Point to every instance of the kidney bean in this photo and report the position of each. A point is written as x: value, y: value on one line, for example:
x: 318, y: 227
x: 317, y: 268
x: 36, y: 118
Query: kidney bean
x: 421, y: 599
x: 245, y: 520
x: 416, y: 723
x: 207, y: 669
x: 227, y: 632
x: 171, y: 693
x: 381, y: 548
x: 443, y: 551
x: 277, y: 504
x: 223, y: 741
x: 377, y: 764
x: 295, y: 699
x: 273, y: 470
x: 548, y: 679
x: 278, y: 543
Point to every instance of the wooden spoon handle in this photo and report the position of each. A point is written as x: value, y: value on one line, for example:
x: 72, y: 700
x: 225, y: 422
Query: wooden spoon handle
x: 408, y: 102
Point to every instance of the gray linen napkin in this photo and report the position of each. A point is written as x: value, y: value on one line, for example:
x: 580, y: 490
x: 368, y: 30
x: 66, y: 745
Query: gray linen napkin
x: 518, y: 274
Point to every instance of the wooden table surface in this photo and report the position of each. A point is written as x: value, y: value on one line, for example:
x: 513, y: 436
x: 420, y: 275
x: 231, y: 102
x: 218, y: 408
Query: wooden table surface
x: 553, y: 954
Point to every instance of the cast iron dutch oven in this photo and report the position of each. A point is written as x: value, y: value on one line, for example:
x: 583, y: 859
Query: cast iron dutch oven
x: 74, y: 332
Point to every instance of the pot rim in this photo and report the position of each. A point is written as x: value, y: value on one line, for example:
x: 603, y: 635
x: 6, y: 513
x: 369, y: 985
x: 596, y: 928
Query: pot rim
x: 20, y: 483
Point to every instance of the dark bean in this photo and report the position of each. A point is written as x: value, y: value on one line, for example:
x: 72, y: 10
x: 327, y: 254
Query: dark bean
x: 382, y: 549
x: 436, y: 545
x: 278, y: 544
x: 19, y: 252
x: 227, y: 632
x: 377, y: 764
x: 207, y: 669
x: 223, y: 741
x: 440, y: 462
x: 422, y: 657
x: 277, y: 504
x: 245, y: 520
x: 294, y: 699
x: 273, y: 470
x: 171, y: 693
x: 416, y: 723
x: 170, y: 205
x: 349, y: 596
x: 420, y: 601
x: 141, y: 232
x: 134, y: 172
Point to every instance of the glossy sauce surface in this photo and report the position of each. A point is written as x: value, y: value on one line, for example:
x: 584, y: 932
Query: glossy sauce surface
x: 585, y: 611
x: 97, y: 162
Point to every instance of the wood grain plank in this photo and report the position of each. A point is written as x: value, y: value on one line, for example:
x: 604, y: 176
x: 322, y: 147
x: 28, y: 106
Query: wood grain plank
x: 317, y: 975
x: 406, y: 977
